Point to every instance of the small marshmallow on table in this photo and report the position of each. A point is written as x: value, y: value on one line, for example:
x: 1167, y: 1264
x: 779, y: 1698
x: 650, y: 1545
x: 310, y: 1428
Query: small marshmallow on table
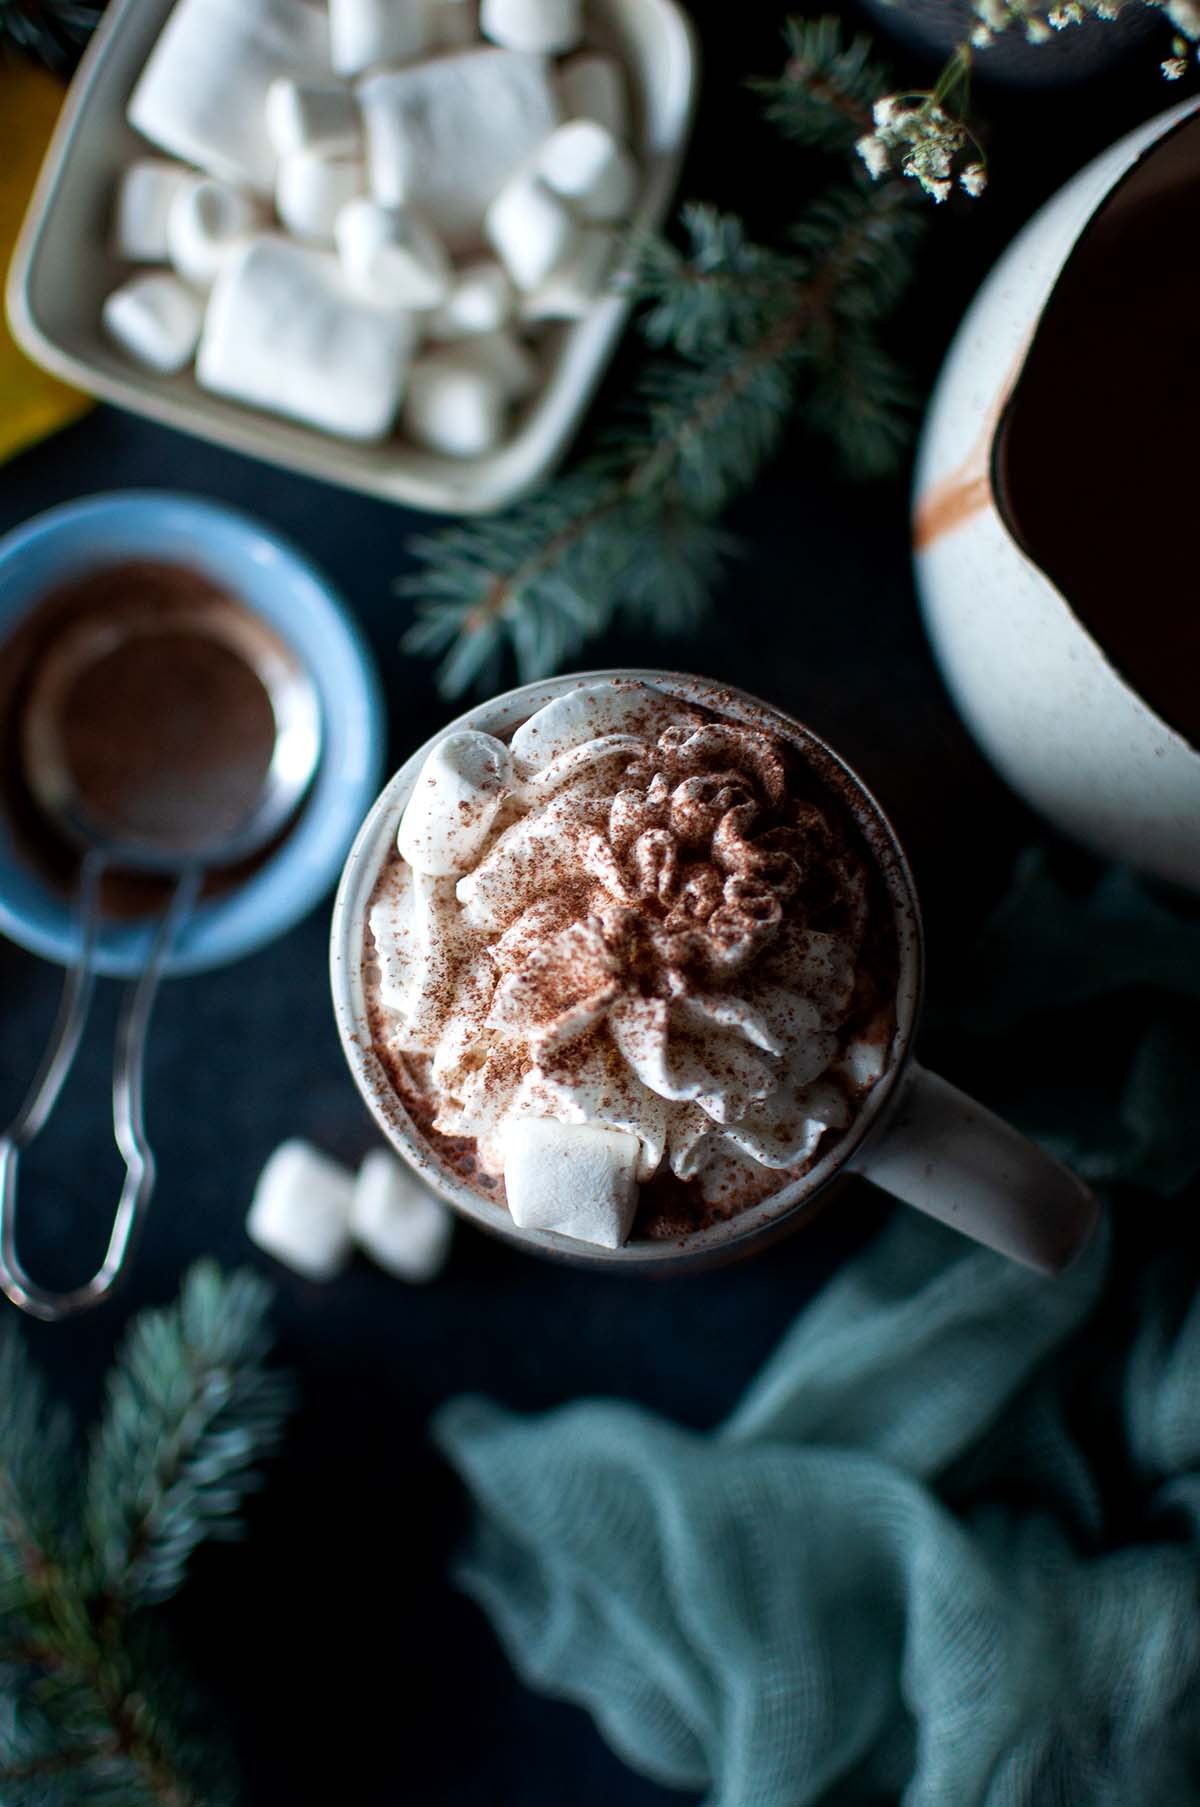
x: 300, y: 1213
x: 284, y: 332
x: 145, y: 194
x: 577, y: 1179
x: 156, y: 319
x: 397, y: 1221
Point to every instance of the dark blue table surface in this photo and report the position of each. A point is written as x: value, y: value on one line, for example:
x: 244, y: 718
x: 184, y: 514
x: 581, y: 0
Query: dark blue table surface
x: 333, y: 1641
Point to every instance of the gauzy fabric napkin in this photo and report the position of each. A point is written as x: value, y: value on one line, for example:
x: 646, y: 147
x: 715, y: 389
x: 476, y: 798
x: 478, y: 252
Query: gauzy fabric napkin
x: 947, y: 1550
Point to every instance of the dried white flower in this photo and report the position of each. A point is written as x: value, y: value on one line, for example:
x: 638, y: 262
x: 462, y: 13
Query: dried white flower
x: 874, y: 153
x: 1104, y: 10
x: 1185, y: 16
x: 995, y: 14
x: 885, y: 112
x: 982, y: 38
x: 939, y: 190
x: 1062, y: 16
x: 1037, y: 31
x: 1174, y: 67
x: 974, y: 179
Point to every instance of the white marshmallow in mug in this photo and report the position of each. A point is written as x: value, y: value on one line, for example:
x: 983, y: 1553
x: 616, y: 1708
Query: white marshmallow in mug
x: 591, y: 169
x: 571, y: 291
x: 312, y: 116
x: 144, y: 195
x: 311, y: 189
x: 300, y: 1212
x: 446, y: 135
x: 579, y: 1179
x: 364, y: 33
x: 156, y: 318
x: 481, y: 300
x: 284, y: 332
x: 592, y: 86
x: 531, y: 230
x: 546, y: 26
x: 206, y: 220
x: 392, y: 255
x: 453, y: 804
x: 397, y: 1221
x: 202, y: 93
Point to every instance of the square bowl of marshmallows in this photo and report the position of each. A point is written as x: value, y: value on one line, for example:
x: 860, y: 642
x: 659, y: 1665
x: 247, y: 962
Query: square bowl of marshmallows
x: 377, y: 241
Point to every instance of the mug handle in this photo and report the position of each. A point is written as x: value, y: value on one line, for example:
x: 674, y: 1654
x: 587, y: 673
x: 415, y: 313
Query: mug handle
x: 951, y: 1158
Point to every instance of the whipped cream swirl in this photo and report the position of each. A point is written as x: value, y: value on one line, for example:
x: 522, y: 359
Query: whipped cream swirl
x: 646, y: 931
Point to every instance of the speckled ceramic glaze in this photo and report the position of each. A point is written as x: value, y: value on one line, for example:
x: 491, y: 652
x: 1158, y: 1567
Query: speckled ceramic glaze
x: 1045, y: 704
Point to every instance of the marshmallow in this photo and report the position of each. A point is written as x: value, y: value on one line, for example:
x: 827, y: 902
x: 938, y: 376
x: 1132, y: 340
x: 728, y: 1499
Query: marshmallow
x: 586, y: 713
x: 144, y: 196
x: 480, y: 300
x: 202, y: 93
x: 397, y: 1221
x: 156, y: 319
x: 445, y: 136
x: 300, y: 1213
x: 285, y: 332
x: 455, y: 24
x: 391, y: 255
x: 207, y: 219
x: 531, y: 231
x: 548, y: 26
x: 310, y: 191
x: 592, y: 86
x: 453, y: 804
x: 571, y: 291
x: 365, y: 32
x: 575, y: 1178
x: 311, y: 116
x: 587, y: 166
x: 458, y: 396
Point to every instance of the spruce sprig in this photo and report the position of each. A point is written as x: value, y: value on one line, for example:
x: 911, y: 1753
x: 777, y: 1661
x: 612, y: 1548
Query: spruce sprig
x: 54, y: 31
x: 91, y: 1709
x: 744, y: 336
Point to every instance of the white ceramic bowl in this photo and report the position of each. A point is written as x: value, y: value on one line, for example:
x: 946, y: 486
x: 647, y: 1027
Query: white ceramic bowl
x: 1045, y: 703
x: 64, y: 266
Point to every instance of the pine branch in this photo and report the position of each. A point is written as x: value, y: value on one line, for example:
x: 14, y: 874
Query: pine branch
x: 54, y: 31
x: 825, y: 94
x: 90, y: 1710
x: 190, y: 1409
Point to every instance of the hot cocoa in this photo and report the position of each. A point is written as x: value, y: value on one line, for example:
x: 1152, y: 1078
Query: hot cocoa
x: 631, y: 970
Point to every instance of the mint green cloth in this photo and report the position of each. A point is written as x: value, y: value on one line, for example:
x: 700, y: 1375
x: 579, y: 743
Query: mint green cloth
x: 947, y: 1550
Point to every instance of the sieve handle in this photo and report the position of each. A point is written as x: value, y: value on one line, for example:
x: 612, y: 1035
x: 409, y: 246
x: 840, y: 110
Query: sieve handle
x: 128, y: 1123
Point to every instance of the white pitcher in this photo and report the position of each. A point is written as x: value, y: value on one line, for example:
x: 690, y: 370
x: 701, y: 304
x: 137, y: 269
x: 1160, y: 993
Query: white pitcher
x: 1045, y: 703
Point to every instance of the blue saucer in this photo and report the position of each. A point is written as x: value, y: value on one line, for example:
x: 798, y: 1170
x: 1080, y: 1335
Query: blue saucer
x: 270, y: 577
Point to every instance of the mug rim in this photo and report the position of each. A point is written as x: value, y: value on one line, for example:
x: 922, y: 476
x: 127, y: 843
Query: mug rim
x: 755, y: 1225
